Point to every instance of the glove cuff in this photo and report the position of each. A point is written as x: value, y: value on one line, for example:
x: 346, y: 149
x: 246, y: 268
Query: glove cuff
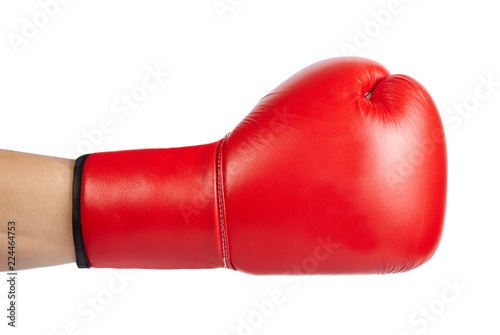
x: 150, y: 208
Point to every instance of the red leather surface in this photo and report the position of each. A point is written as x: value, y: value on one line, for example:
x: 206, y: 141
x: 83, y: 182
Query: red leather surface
x: 317, y: 178
x: 317, y: 161
x: 151, y: 208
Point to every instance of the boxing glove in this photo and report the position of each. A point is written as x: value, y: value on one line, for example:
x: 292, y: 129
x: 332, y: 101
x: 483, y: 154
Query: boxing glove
x: 341, y: 169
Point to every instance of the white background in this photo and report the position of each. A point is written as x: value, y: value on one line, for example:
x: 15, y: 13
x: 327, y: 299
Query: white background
x: 63, y: 79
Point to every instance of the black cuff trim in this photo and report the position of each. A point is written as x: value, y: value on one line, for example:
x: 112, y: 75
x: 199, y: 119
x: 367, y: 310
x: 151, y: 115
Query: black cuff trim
x: 81, y: 255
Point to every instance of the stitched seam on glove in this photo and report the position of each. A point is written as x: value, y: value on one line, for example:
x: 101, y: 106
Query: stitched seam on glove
x: 221, y: 206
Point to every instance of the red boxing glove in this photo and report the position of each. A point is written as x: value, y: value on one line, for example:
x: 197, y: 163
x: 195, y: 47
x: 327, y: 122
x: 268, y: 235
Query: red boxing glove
x: 340, y: 169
